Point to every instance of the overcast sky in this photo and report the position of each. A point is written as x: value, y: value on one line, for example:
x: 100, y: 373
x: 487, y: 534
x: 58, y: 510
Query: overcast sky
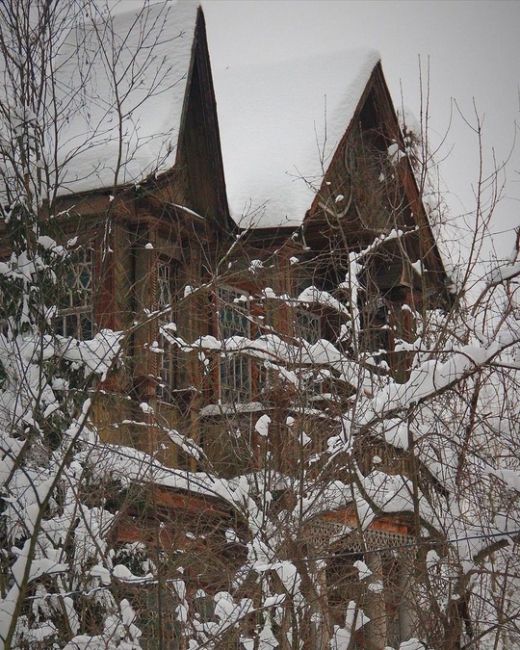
x: 473, y: 50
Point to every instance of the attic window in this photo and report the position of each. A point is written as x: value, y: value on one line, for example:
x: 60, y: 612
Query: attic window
x: 307, y: 326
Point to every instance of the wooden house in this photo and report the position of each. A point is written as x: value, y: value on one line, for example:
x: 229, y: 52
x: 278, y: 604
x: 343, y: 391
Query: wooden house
x: 291, y: 212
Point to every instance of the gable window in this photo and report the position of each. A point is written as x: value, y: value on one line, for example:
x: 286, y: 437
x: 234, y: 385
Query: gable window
x: 308, y: 326
x: 75, y: 316
x: 235, y: 368
x: 374, y: 325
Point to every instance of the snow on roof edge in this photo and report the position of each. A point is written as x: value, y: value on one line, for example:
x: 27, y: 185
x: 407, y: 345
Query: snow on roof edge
x: 272, y: 174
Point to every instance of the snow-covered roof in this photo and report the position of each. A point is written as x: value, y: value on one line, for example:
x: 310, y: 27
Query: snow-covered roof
x: 150, y: 52
x: 279, y: 127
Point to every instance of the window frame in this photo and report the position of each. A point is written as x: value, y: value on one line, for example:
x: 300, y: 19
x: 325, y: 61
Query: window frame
x: 236, y: 365
x: 167, y: 376
x: 84, y: 310
x: 301, y: 330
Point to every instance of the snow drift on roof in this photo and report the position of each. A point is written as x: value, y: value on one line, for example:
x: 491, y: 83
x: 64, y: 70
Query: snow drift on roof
x: 150, y: 52
x: 280, y: 125
x: 114, y: 98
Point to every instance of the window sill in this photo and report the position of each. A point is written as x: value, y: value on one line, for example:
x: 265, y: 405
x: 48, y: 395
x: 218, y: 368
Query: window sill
x: 212, y: 410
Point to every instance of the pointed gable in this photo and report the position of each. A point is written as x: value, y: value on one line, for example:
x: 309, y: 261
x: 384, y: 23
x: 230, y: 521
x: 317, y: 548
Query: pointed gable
x: 280, y: 126
x: 289, y: 132
x: 149, y: 51
x: 198, y: 152
x: 369, y: 189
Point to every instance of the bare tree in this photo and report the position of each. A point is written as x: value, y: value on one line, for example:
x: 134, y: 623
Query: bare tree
x: 314, y: 458
x: 57, y: 110
x: 367, y: 438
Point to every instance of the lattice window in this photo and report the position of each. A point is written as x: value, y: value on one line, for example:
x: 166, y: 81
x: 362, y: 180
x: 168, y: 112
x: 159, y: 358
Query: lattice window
x: 390, y: 557
x: 235, y: 368
x: 75, y: 317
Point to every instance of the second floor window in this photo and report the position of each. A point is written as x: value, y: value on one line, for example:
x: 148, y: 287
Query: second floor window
x: 75, y: 316
x: 164, y: 284
x: 235, y: 367
x: 165, y: 273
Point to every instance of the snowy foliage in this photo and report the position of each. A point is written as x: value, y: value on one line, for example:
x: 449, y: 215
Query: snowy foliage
x: 52, y: 535
x: 344, y: 471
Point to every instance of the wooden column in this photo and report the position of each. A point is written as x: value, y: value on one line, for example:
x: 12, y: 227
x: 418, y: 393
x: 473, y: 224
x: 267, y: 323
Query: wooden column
x: 375, y: 607
x: 407, y: 613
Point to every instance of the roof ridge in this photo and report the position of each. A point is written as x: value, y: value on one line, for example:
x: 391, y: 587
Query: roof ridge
x: 341, y: 52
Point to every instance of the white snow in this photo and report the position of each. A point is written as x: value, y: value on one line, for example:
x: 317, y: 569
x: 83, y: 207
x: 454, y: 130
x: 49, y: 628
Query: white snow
x: 395, y: 154
x: 505, y: 273
x: 280, y: 126
x: 188, y: 446
x: 364, y: 571
x: 412, y: 644
x: 312, y: 295
x: 152, y: 107
x: 262, y: 425
x: 230, y: 409
x: 355, y: 618
x: 274, y: 601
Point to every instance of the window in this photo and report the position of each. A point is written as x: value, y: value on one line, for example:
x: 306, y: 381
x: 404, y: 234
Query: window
x: 235, y: 368
x: 374, y: 324
x: 165, y: 273
x: 75, y: 317
x: 308, y: 326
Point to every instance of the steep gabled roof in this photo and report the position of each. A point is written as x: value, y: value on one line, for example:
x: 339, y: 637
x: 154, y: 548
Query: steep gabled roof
x: 280, y: 125
x: 150, y: 51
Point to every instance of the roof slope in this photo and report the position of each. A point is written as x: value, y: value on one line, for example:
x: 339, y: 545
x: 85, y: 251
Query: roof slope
x: 141, y: 59
x: 280, y: 125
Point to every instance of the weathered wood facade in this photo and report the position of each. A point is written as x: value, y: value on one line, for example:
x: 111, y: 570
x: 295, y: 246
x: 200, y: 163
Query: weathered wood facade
x: 168, y: 251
